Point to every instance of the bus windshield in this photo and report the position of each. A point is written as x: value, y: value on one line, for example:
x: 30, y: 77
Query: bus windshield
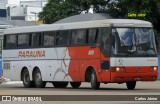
x: 133, y: 42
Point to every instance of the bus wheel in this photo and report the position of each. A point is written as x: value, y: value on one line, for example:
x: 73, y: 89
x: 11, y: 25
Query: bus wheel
x: 131, y: 85
x: 60, y: 84
x: 94, y: 83
x: 38, y: 79
x: 75, y: 84
x: 26, y: 79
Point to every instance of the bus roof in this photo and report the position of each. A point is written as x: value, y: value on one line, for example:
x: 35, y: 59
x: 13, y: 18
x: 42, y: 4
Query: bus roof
x: 77, y: 25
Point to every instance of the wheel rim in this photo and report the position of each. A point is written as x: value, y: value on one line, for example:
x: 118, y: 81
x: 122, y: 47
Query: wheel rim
x: 26, y: 78
x: 38, y: 78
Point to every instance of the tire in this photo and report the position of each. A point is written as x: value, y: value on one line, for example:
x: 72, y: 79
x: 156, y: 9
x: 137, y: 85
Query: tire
x: 75, y: 84
x: 131, y: 85
x: 60, y: 84
x: 26, y: 79
x: 38, y: 79
x: 93, y: 80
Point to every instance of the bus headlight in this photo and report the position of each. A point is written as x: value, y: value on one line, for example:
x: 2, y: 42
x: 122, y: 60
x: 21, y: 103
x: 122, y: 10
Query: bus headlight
x: 154, y: 68
x: 118, y: 69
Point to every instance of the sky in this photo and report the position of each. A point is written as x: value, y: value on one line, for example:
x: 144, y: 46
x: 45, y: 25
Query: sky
x: 16, y: 2
x: 13, y: 2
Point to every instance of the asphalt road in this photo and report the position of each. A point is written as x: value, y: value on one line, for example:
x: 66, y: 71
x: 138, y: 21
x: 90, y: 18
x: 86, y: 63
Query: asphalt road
x: 147, y: 89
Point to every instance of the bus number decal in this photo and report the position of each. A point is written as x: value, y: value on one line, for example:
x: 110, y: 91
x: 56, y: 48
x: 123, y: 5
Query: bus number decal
x: 6, y: 66
x: 90, y: 52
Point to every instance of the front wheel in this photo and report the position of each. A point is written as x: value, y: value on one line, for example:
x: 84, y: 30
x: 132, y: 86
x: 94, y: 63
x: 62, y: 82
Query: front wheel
x: 94, y: 83
x: 38, y: 80
x: 75, y: 84
x: 131, y: 85
x: 26, y: 79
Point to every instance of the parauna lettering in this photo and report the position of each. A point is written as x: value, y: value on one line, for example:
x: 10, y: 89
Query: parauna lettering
x: 31, y: 54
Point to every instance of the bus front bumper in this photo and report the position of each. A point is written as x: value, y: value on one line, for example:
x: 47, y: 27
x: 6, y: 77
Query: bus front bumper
x: 125, y: 77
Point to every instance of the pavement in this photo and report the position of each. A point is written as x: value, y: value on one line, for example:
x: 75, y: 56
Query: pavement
x: 106, y: 90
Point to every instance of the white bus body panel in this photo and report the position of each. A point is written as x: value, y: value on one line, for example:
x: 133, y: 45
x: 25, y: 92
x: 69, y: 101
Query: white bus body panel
x: 53, y: 67
x: 136, y: 61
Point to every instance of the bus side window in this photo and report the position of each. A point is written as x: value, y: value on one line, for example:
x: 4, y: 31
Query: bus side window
x: 35, y: 39
x: 62, y: 38
x: 10, y: 41
x: 23, y: 40
x: 48, y: 38
x: 78, y: 37
x: 92, y: 36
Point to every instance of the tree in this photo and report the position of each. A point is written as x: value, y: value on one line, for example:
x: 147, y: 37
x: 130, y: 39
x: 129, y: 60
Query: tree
x: 55, y: 10
x: 58, y: 9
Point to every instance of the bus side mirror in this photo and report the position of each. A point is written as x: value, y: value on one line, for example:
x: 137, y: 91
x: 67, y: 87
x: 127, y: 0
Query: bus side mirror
x: 105, y: 65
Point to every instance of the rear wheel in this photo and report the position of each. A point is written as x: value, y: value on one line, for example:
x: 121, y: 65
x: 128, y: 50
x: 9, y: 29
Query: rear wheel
x: 131, y: 85
x: 26, y: 79
x: 38, y: 80
x: 94, y: 83
x: 60, y: 84
x: 75, y: 84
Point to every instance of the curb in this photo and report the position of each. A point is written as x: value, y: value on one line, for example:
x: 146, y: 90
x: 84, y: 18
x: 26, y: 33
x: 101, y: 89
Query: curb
x: 13, y: 82
x: 7, y: 81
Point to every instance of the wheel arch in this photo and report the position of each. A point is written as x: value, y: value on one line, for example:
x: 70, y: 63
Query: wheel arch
x: 88, y: 74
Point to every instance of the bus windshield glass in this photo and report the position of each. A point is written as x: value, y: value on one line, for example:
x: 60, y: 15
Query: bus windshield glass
x: 133, y: 42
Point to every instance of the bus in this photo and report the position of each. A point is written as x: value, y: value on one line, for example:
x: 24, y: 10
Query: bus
x: 1, y: 39
x: 98, y: 51
x: 158, y: 67
x: 3, y: 26
x: 1, y: 57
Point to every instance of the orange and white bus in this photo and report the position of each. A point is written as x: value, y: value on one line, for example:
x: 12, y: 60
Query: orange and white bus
x: 99, y: 51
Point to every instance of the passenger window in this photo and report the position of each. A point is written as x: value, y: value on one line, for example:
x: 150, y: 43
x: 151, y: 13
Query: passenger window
x: 23, y: 40
x: 78, y: 37
x: 62, y: 38
x: 35, y: 39
x: 48, y: 39
x: 10, y: 41
x: 92, y: 36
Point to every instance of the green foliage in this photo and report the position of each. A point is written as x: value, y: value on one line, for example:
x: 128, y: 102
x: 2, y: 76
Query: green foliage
x: 58, y: 9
